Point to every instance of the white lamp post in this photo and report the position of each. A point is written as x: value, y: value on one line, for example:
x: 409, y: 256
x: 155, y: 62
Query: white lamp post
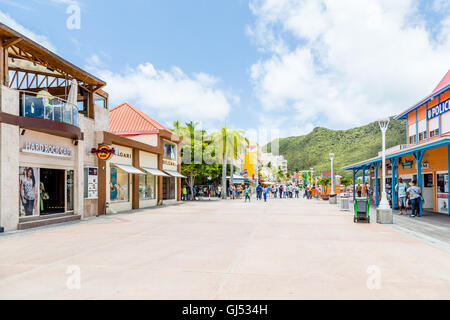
x: 384, y: 204
x: 332, y: 173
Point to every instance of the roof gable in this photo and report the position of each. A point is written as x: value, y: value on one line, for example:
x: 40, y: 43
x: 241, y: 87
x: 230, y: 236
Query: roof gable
x: 443, y: 83
x: 125, y: 119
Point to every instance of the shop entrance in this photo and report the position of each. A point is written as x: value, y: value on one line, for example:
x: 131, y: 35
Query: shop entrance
x: 442, y: 192
x: 168, y: 188
x: 52, y: 191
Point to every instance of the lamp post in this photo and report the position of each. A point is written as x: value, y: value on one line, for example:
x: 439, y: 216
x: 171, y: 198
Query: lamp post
x: 332, y: 173
x: 384, y: 212
x: 312, y: 175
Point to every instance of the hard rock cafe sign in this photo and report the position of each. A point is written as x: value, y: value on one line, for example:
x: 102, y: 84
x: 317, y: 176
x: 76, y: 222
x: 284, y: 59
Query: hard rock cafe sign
x: 103, y: 152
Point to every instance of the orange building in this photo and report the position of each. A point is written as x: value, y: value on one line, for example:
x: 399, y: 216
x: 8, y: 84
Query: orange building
x: 425, y: 155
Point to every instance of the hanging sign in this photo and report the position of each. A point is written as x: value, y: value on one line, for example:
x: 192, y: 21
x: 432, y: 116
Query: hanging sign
x: 103, y: 152
x: 407, y: 165
x: 436, y: 111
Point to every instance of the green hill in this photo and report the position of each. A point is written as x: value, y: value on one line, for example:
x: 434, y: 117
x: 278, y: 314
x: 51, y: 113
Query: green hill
x: 349, y: 146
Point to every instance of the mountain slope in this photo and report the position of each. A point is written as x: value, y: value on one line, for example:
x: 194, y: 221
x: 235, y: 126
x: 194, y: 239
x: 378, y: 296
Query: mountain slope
x: 350, y: 146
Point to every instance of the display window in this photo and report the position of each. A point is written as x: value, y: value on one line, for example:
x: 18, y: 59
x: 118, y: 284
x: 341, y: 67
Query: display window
x: 147, y: 185
x: 119, y: 185
x: 29, y: 191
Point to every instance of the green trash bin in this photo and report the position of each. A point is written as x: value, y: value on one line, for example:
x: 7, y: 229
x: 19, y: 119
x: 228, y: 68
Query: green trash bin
x: 362, y: 208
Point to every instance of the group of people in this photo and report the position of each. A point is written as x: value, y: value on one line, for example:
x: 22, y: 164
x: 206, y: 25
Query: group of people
x: 409, y: 195
x: 200, y: 192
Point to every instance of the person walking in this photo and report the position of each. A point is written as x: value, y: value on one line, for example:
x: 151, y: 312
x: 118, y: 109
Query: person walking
x: 401, y: 189
x: 184, y: 193
x: 247, y: 194
x: 415, y: 196
x: 265, y: 190
x: 358, y: 190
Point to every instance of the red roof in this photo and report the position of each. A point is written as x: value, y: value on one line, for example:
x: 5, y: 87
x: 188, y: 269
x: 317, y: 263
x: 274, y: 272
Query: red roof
x: 127, y: 120
x: 444, y: 82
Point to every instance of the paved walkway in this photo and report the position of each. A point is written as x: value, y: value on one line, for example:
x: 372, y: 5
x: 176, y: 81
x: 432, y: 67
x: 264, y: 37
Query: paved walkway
x: 283, y: 249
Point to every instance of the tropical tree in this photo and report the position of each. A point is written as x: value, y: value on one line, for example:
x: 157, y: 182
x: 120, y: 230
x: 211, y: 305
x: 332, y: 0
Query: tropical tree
x: 228, y: 145
x: 192, y: 151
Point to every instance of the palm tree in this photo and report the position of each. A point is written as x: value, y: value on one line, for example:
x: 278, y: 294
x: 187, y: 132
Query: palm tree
x: 228, y: 143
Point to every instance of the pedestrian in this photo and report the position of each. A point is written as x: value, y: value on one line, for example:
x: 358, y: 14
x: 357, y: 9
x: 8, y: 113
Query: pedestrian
x: 358, y: 190
x: 401, y: 189
x: 265, y: 194
x: 184, y: 193
x: 415, y: 196
x: 194, y: 191
x: 247, y: 193
x: 297, y: 191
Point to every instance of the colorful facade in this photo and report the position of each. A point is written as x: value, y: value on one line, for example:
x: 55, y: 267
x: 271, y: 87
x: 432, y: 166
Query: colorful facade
x: 425, y: 155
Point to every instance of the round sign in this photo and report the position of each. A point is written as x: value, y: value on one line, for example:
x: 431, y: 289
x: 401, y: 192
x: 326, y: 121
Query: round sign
x: 104, y: 152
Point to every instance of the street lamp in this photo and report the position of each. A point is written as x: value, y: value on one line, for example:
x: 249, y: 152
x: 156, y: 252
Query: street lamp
x: 332, y: 173
x: 384, y: 204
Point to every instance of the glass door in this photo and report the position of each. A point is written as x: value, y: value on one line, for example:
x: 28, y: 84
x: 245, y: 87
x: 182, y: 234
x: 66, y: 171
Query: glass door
x: 442, y: 192
x: 69, y: 190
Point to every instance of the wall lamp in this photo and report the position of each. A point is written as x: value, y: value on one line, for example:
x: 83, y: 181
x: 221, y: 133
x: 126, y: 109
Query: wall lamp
x: 75, y: 142
x: 23, y: 132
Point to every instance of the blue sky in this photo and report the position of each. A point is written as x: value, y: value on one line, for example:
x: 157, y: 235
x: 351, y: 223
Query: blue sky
x: 272, y: 64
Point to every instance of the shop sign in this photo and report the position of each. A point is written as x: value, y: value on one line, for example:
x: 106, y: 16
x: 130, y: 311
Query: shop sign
x: 425, y: 165
x: 436, y: 111
x: 92, y: 183
x: 407, y: 165
x: 103, y: 152
x: 169, y: 162
x: 47, y: 149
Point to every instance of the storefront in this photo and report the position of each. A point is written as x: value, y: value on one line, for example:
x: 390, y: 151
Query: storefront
x: 424, y: 158
x: 46, y: 174
x: 50, y: 111
x: 133, y: 176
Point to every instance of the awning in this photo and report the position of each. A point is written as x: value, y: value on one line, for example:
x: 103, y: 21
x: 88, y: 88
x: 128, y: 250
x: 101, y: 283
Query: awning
x: 175, y: 174
x: 127, y: 168
x: 155, y: 172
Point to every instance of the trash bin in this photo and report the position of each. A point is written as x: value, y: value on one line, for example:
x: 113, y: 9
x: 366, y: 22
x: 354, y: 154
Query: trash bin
x: 344, y: 203
x: 362, y: 207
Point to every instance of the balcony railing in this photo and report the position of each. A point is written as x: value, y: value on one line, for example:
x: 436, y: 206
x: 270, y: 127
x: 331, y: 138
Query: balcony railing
x: 45, y: 106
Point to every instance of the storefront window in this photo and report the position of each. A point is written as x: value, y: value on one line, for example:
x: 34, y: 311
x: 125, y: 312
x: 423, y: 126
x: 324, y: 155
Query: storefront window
x: 169, y: 151
x: 147, y: 186
x: 119, y: 182
x: 29, y: 191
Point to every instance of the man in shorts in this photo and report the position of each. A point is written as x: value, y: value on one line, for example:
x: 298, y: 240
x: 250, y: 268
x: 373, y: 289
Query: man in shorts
x: 401, y: 189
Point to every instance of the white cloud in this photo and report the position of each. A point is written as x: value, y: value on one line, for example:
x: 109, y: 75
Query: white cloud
x: 344, y: 63
x: 171, y: 95
x: 13, y: 24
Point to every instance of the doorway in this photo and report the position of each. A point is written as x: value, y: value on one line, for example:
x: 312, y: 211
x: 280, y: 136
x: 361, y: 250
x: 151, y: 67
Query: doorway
x: 52, y: 191
x: 168, y: 188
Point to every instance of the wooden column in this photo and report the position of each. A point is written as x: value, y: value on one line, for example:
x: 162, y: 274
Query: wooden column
x: 102, y: 187
x: 135, y: 181
x: 4, y: 70
x: 91, y: 105
x: 160, y: 179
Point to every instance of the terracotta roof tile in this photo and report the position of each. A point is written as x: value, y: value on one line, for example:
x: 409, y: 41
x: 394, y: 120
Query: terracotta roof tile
x: 125, y: 119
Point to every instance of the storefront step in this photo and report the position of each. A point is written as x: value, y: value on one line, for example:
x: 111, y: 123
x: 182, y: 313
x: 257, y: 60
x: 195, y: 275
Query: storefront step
x: 45, y: 221
x: 42, y: 217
